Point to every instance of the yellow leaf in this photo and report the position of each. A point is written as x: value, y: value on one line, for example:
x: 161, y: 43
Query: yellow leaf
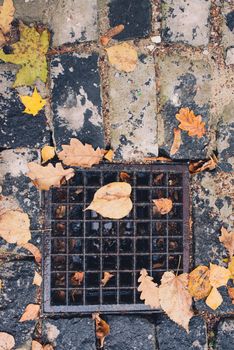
x: 149, y: 290
x: 7, y: 341
x: 14, y: 227
x: 219, y: 275
x: 123, y: 57
x: 37, y: 279
x: 214, y: 299
x: 191, y: 123
x: 33, y: 104
x: 31, y: 313
x: 176, y: 143
x: 30, y: 54
x: 199, y: 284
x: 7, y: 11
x: 109, y: 155
x: 163, y: 205
x: 112, y: 200
x: 47, y: 153
x: 231, y: 267
x: 227, y: 238
x: 106, y: 278
x: 102, y: 328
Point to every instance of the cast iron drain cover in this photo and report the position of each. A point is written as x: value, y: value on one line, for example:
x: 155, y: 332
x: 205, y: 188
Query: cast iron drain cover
x: 83, y: 241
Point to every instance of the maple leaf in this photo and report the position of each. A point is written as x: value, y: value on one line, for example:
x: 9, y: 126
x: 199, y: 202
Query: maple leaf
x: 175, y: 299
x: 48, y: 176
x: 14, y: 227
x: 33, y: 104
x: 197, y: 167
x: 7, y: 341
x: 123, y: 57
x: 177, y: 142
x: 37, y: 280
x: 199, y: 284
x: 227, y: 238
x: 31, y: 313
x: 34, y: 250
x: 106, y: 278
x: 219, y: 275
x: 7, y: 11
x: 110, y: 33
x: 112, y: 200
x: 214, y: 299
x: 191, y: 123
x: 102, y: 328
x: 163, y: 205
x: 30, y: 54
x: 77, y: 154
x: 47, y: 153
x: 149, y: 290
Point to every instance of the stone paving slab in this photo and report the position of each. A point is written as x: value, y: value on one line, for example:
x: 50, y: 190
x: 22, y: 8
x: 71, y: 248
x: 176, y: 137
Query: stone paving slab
x: 186, y: 21
x: 76, y: 99
x: 225, y: 335
x: 133, y: 111
x: 228, y: 31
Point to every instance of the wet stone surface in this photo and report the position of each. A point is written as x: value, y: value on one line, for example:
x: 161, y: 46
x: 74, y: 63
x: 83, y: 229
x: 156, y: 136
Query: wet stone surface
x: 225, y: 335
x: 76, y: 100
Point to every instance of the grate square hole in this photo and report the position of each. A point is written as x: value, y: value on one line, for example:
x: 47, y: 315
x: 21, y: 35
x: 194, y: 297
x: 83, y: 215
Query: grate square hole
x: 175, y: 228
x: 143, y: 261
x: 143, y: 211
x: 92, y: 297
x: 142, y: 228
x: 126, y: 296
x: 75, y: 297
x: 92, y: 279
x: 93, y: 179
x: 76, y: 212
x: 58, y: 279
x: 73, y: 281
x: 58, y: 263
x: 109, y: 228
x: 76, y: 229
x: 126, y: 262
x: 58, y: 246
x: 125, y: 279
x: 76, y: 263
x: 109, y: 177
x: 75, y: 246
x: 109, y: 262
x: 59, y: 195
x: 159, y: 228
x: 58, y: 297
x: 175, y: 245
x: 142, y: 245
x: 92, y: 246
x: 76, y: 195
x: 92, y: 215
x: 175, y: 179
x: 77, y: 180
x: 126, y: 245
x: 109, y: 245
x: 159, y: 261
x: 159, y: 179
x: 92, y: 262
x: 59, y: 229
x: 143, y: 179
x: 59, y: 212
x: 176, y: 212
x: 142, y: 196
x: 92, y: 229
x: 109, y: 296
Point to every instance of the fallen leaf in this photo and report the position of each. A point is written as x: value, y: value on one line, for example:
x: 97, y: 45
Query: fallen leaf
x: 109, y: 155
x: 34, y: 250
x: 106, y: 278
x: 112, y: 200
x: 197, y: 167
x: 36, y: 345
x: 110, y: 33
x: 124, y: 176
x: 175, y: 299
x: 37, y: 279
x: 231, y: 267
x: 48, y: 176
x: 191, y: 123
x: 199, y: 284
x: 214, y: 299
x: 227, y: 238
x: 177, y: 142
x: 30, y: 54
x: 163, y: 205
x: 47, y: 153
x: 14, y: 227
x: 31, y: 313
x: 77, y: 278
x: 33, y: 104
x: 149, y: 290
x: 231, y: 293
x: 219, y: 275
x: 7, y: 341
x: 1, y: 285
x: 123, y: 57
x: 157, y: 159
x: 102, y: 328
x: 60, y: 211
x: 7, y: 11
x: 77, y: 154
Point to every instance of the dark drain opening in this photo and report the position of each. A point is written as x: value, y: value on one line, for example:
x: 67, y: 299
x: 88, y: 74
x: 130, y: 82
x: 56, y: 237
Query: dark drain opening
x: 83, y: 241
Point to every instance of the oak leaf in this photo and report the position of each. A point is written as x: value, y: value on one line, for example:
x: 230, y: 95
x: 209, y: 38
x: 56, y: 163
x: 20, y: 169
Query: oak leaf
x: 175, y: 299
x: 7, y: 341
x: 231, y: 267
x: 77, y: 154
x: 176, y: 142
x: 149, y: 290
x: 219, y: 275
x: 163, y: 205
x: 110, y: 33
x: 47, y: 153
x: 214, y: 299
x: 102, y: 328
x: 197, y: 167
x: 123, y: 57
x: 199, y: 284
x: 191, y: 123
x: 48, y: 176
x: 7, y: 11
x: 34, y: 250
x: 227, y: 238
x: 112, y: 200
x: 37, y: 280
x: 14, y: 227
x: 31, y: 312
x: 33, y: 104
x: 30, y: 54
x: 107, y: 276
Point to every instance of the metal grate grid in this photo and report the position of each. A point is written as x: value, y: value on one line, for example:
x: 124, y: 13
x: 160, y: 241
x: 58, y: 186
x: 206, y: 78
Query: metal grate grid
x: 83, y: 241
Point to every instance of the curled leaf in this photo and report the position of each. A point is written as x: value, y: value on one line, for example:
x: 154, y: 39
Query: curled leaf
x: 77, y: 278
x: 7, y: 341
x: 197, y: 167
x: 110, y: 33
x: 106, y: 278
x: 227, y: 238
x: 199, y: 284
x: 176, y: 142
x: 123, y: 57
x: 157, y: 159
x: 163, y: 205
x: 31, y: 313
x: 219, y: 275
x: 14, y: 227
x: 191, y: 123
x: 102, y: 328
x: 47, y: 153
x: 214, y: 299
x: 124, y: 176
x: 149, y: 290
x: 34, y: 250
x: 33, y: 104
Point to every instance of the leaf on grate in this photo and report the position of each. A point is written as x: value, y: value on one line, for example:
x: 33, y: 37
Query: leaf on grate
x: 227, y: 238
x: 34, y: 250
x: 77, y: 278
x: 14, y: 227
x: 107, y: 276
x: 7, y: 341
x: 112, y: 200
x: 163, y: 205
x: 231, y: 267
x: 60, y: 211
x: 48, y: 176
x: 191, y: 123
x: 77, y: 154
x: 214, y: 299
x: 124, y: 176
x: 175, y: 299
x: 33, y: 104
x: 219, y: 275
x: 149, y: 290
x: 197, y: 167
x: 231, y: 293
x: 47, y: 153
x: 37, y: 280
x: 199, y: 284
x: 110, y: 33
x: 31, y: 313
x: 109, y: 155
x: 123, y: 57
x: 7, y: 11
x: 102, y: 328
x: 177, y: 142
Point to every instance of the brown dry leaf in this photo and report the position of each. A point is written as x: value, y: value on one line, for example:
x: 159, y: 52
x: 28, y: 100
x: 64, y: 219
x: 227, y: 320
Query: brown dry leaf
x: 110, y: 33
x: 48, y: 176
x: 227, y: 238
x: 107, y: 276
x: 7, y: 341
x: 77, y: 278
x: 157, y: 159
x: 231, y: 267
x: 34, y: 250
x: 112, y: 200
x: 191, y: 123
x: 102, y: 328
x: 14, y: 227
x: 231, y: 293
x: 7, y: 11
x: 163, y: 205
x: 197, y: 167
x: 77, y: 154
x: 219, y: 275
x: 149, y: 290
x: 109, y: 155
x: 31, y: 313
x: 199, y: 284
x: 175, y: 299
x: 124, y: 176
x: 214, y: 299
x: 37, y: 279
x: 60, y: 211
x: 177, y: 142
x: 47, y: 153
x: 123, y: 57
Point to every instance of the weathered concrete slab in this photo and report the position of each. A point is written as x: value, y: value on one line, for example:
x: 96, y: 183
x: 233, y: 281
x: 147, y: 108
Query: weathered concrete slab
x: 133, y: 111
x: 186, y: 21
x: 228, y: 24
x: 76, y: 99
x: 225, y: 335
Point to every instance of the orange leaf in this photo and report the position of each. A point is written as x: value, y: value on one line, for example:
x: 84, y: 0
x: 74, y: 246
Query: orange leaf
x: 106, y: 278
x: 191, y: 123
x: 231, y: 293
x: 199, y: 284
x: 124, y: 176
x: 31, y: 313
x: 214, y: 299
x: 7, y: 341
x: 149, y: 290
x: 110, y: 33
x: 177, y: 142
x: 227, y: 238
x: 102, y: 328
x: 163, y: 205
x: 34, y: 250
x: 109, y: 155
x: 37, y: 279
x: 197, y: 167
x: 77, y: 278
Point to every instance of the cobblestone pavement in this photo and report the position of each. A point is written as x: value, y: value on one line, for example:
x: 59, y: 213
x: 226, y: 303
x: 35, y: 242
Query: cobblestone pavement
x: 186, y: 58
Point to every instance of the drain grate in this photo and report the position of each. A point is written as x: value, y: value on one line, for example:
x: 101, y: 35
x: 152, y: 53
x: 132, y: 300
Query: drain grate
x: 83, y: 241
